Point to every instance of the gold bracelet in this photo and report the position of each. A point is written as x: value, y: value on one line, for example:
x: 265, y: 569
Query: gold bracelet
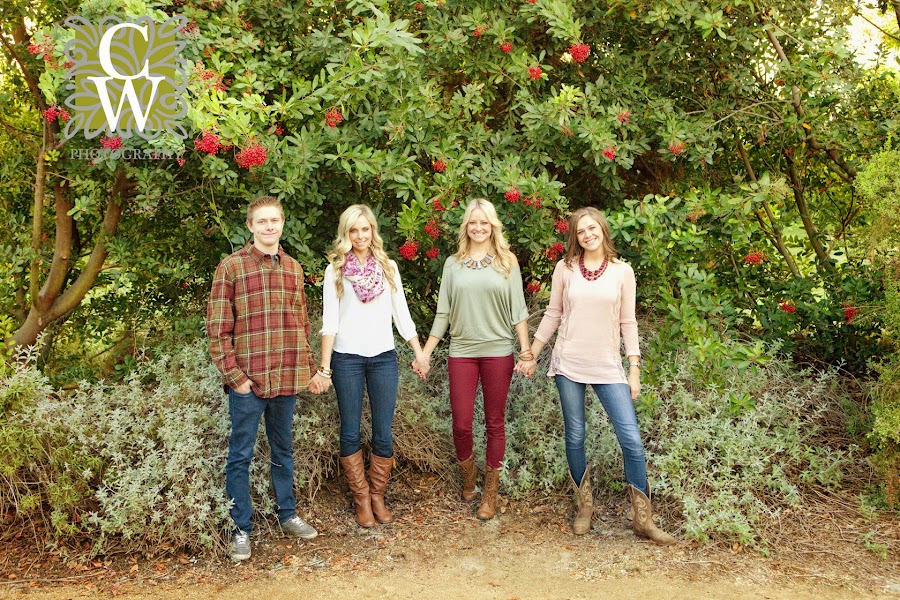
x: 527, y: 355
x: 324, y: 372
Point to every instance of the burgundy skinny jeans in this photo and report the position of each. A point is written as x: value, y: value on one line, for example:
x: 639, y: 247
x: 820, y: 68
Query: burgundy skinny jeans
x: 495, y: 373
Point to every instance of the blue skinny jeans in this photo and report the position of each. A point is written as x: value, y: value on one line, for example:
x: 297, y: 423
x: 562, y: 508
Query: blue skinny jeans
x: 378, y: 375
x: 616, y: 401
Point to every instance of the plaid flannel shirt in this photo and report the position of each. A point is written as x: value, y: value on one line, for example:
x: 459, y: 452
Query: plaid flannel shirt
x: 258, y: 325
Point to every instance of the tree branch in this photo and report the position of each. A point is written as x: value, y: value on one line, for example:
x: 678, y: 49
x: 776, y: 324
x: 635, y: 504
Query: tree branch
x: 80, y: 287
x: 62, y: 252
x: 832, y: 153
x: 775, y: 233
x: 803, y: 210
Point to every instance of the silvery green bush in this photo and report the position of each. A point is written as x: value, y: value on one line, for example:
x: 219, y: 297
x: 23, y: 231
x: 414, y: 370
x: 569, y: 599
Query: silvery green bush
x: 139, y: 464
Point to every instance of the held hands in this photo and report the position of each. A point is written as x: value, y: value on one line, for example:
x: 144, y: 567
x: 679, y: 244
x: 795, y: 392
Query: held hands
x: 526, y: 367
x: 319, y: 384
x: 421, y: 365
x: 527, y: 362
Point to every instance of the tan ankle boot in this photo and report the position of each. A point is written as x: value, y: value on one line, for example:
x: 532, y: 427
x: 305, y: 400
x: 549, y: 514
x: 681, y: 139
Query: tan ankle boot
x: 379, y: 474
x: 469, y: 473
x: 643, y: 519
x: 355, y: 471
x: 488, y: 507
x: 584, y: 499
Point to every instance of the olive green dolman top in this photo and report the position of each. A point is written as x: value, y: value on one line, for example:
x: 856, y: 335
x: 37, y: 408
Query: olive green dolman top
x: 481, y: 308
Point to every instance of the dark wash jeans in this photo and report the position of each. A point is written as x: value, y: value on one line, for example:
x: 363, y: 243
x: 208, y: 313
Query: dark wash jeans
x: 616, y: 401
x: 245, y: 411
x: 378, y: 375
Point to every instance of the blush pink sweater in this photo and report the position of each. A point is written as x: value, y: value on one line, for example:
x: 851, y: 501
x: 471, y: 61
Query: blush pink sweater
x: 592, y: 318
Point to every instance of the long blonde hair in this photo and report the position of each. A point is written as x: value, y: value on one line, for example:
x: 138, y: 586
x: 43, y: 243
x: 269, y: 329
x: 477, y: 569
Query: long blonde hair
x: 574, y: 249
x: 342, y: 247
x: 504, y: 259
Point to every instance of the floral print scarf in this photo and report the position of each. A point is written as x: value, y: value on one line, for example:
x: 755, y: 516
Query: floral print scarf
x: 367, y: 279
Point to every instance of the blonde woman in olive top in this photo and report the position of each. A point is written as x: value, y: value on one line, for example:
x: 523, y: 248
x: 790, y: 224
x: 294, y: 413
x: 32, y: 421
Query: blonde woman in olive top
x: 482, y: 304
x: 592, y: 310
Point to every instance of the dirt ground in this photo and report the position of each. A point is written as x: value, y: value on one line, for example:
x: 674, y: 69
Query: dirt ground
x: 438, y: 549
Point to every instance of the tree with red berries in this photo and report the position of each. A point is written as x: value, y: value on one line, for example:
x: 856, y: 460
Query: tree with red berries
x: 539, y: 107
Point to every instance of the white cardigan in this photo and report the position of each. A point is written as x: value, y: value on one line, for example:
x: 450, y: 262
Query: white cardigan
x: 365, y: 329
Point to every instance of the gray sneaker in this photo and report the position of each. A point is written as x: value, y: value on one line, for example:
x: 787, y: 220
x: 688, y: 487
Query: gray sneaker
x: 240, y: 545
x: 297, y: 527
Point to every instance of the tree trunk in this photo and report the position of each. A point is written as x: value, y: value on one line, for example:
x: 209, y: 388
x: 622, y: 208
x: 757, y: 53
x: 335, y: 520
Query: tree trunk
x: 53, y: 301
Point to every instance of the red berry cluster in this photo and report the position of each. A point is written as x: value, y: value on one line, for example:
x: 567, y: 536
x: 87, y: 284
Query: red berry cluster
x: 533, y: 287
x: 610, y: 153
x: 279, y: 129
x: 623, y: 116
x: 436, y: 204
x: 180, y: 161
x: 409, y: 249
x: 533, y: 201
x: 534, y: 72
x: 676, y: 148
x: 562, y: 225
x: 787, y: 307
x: 850, y: 312
x: 333, y: 117
x: 554, y: 250
x: 190, y: 29
x: 54, y: 112
x: 208, y: 142
x: 433, y: 229
x: 479, y: 31
x: 111, y: 142
x: 420, y: 7
x: 754, y: 258
x: 439, y: 165
x: 253, y: 155
x: 433, y: 253
x: 579, y: 52
x: 506, y: 47
x: 45, y: 48
x: 512, y: 194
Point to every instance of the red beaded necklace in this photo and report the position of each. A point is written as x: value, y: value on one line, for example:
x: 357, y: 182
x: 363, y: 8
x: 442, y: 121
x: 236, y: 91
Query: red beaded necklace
x: 591, y: 275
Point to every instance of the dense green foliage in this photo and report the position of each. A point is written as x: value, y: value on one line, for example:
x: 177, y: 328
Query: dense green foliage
x: 880, y: 185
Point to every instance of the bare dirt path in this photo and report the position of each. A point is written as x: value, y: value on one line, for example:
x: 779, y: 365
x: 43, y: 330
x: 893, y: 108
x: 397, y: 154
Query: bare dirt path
x: 437, y: 549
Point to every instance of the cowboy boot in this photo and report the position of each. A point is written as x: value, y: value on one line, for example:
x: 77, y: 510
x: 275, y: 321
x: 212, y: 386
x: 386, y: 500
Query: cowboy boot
x: 468, y: 472
x: 355, y: 471
x: 379, y: 474
x: 643, y: 519
x: 584, y: 499
x: 488, y: 507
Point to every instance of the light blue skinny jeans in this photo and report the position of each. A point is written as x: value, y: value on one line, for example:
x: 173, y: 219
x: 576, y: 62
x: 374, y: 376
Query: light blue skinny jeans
x: 616, y: 401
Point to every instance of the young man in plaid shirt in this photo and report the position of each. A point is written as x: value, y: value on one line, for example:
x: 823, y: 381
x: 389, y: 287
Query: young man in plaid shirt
x: 259, y: 340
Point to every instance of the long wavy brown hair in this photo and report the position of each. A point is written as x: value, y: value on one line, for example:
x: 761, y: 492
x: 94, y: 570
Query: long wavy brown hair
x: 574, y: 249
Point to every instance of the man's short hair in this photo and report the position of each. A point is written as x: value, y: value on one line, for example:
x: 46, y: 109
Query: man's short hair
x: 260, y: 202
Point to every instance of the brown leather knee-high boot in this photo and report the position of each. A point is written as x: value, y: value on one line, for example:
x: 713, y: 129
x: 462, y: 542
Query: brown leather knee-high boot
x: 355, y: 471
x: 379, y: 474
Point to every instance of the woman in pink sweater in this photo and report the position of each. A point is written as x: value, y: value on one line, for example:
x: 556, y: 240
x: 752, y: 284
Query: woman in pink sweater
x: 591, y: 309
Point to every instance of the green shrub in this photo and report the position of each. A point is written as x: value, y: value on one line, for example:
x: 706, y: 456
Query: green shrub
x: 139, y: 464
